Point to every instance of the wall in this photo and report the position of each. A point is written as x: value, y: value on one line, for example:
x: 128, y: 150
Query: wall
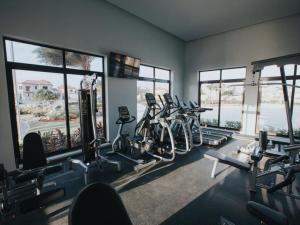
x: 87, y: 25
x: 240, y: 48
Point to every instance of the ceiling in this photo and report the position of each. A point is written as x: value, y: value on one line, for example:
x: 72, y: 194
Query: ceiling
x: 193, y: 19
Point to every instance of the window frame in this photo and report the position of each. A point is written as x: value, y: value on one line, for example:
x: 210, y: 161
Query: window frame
x: 154, y: 79
x: 10, y: 66
x: 220, y: 82
x: 293, y: 77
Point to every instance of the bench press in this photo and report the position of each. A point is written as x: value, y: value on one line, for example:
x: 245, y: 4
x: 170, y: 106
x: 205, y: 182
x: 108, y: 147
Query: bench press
x: 222, y: 158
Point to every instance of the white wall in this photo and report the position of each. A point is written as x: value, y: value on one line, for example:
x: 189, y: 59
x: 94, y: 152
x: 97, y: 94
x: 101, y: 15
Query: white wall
x: 240, y: 48
x: 87, y: 25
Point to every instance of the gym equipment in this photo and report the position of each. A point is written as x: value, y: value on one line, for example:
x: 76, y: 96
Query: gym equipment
x: 196, y: 129
x: 280, y: 62
x: 248, y: 149
x: 218, y: 132
x: 211, y: 136
x: 90, y: 141
x: 86, y: 209
x: 24, y: 190
x: 287, y: 165
x: 267, y: 215
x: 277, y: 165
x: 278, y: 143
x: 154, y: 133
x: 215, y: 132
x: 179, y: 124
x: 128, y: 147
x: 222, y: 158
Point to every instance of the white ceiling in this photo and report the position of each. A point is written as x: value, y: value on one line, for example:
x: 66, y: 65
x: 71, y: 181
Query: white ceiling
x: 193, y: 19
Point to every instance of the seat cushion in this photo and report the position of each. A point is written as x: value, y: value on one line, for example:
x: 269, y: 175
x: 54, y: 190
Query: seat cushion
x: 228, y: 160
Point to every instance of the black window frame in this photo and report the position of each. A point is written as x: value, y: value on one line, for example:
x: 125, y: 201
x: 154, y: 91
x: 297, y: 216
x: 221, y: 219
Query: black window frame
x: 154, y: 79
x: 293, y: 77
x: 10, y: 66
x: 220, y: 82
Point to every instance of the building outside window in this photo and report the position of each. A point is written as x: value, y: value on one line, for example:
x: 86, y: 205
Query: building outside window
x: 43, y: 83
x: 222, y: 91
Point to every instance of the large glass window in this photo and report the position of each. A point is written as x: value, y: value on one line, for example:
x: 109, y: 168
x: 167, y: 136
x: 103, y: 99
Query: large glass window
x: 43, y: 83
x: 20, y: 52
x: 210, y: 99
x: 143, y: 87
x: 271, y: 114
x: 223, y: 92
x: 151, y: 80
x: 40, y: 107
x: 232, y: 95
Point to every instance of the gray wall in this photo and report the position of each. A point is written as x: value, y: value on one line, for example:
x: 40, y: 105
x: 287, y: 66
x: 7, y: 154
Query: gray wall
x: 240, y: 48
x: 87, y: 25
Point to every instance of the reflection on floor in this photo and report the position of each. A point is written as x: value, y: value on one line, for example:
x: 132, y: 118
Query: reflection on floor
x: 179, y: 193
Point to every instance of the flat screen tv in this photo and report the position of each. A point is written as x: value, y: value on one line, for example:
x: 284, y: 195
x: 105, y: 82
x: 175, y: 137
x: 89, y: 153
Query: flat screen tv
x: 123, y: 66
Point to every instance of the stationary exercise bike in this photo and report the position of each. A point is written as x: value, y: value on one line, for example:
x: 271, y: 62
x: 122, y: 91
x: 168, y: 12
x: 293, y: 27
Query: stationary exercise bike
x: 127, y: 147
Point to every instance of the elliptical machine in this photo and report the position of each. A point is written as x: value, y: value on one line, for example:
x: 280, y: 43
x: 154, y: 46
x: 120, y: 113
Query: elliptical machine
x: 179, y: 125
x: 128, y: 147
x: 91, y: 143
x: 155, y: 132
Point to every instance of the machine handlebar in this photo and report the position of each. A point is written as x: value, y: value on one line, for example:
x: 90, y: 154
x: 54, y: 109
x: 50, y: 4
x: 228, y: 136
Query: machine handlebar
x: 122, y: 121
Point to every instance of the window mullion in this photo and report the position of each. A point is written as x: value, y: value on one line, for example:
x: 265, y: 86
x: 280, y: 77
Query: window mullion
x: 220, y: 87
x: 66, y: 98
x: 293, y: 90
x: 154, y: 90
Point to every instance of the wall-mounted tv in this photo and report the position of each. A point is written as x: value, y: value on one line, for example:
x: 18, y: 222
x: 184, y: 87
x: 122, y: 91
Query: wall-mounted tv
x: 123, y: 66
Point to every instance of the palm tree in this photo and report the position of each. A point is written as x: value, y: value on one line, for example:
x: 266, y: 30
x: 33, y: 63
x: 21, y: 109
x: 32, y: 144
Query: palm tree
x: 73, y: 59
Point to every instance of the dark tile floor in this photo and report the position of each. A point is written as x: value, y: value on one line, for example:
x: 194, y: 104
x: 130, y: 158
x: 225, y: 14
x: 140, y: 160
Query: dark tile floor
x: 177, y: 193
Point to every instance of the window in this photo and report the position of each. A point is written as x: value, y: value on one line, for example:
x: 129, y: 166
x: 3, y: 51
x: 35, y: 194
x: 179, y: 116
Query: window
x: 48, y: 104
x: 222, y: 91
x: 151, y: 80
x: 271, y: 102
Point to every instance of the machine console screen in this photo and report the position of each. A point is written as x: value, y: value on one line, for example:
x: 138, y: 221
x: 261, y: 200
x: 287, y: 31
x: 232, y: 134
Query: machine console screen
x: 168, y: 98
x: 150, y: 98
x: 124, y: 113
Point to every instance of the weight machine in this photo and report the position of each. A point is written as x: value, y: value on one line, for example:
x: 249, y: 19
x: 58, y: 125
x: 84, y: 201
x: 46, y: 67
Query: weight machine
x: 90, y: 140
x: 288, y: 164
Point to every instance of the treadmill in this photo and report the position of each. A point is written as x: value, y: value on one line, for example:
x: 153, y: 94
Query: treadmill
x: 210, y: 136
x: 216, y: 131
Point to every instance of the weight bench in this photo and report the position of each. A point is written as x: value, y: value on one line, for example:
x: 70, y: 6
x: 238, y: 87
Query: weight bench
x: 222, y: 158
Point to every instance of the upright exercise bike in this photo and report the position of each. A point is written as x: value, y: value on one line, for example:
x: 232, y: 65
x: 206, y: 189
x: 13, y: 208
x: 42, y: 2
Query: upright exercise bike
x: 130, y: 148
